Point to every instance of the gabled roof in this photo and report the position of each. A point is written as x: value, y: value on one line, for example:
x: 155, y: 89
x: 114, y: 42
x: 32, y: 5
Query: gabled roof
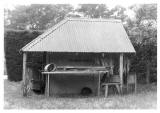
x: 83, y: 35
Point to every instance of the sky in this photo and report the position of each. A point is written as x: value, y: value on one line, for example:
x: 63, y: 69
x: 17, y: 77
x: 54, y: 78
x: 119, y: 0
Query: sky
x: 110, y: 3
x: 10, y: 4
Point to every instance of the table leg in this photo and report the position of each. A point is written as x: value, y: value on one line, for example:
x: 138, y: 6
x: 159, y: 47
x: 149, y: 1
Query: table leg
x: 106, y: 90
x: 118, y: 88
x: 48, y: 87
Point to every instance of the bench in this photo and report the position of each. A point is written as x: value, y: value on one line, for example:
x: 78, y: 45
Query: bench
x: 113, y: 80
x: 106, y: 85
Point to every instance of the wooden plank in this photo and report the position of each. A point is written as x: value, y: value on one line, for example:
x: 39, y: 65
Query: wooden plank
x: 83, y: 67
x: 75, y: 72
x: 121, y: 70
x: 111, y: 83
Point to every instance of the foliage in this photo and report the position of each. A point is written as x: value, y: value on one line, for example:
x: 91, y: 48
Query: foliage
x: 36, y: 16
x: 143, y: 33
x: 94, y: 10
x: 118, y: 12
x: 140, y: 59
x: 13, y: 42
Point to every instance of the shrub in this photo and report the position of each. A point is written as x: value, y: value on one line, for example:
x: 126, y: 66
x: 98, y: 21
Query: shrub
x: 13, y: 42
x: 139, y: 61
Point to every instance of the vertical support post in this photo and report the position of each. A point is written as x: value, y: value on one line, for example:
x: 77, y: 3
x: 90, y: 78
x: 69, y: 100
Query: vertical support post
x: 128, y: 68
x: 44, y: 59
x: 121, y: 70
x: 46, y: 79
x: 111, y: 65
x: 43, y: 65
x: 98, y: 84
x: 24, y: 66
x: 24, y: 73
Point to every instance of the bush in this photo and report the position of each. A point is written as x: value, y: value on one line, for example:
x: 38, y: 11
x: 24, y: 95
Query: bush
x: 13, y: 42
x: 144, y: 53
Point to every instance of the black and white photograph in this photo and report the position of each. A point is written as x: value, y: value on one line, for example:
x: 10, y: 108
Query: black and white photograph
x: 80, y: 55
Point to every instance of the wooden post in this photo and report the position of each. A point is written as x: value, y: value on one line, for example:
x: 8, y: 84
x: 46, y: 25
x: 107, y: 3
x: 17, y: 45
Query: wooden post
x: 128, y: 68
x: 118, y: 88
x: 44, y: 59
x: 43, y: 64
x: 106, y: 90
x: 48, y: 90
x: 24, y: 74
x: 46, y: 85
x: 24, y: 66
x: 111, y: 65
x: 98, y: 83
x: 121, y: 70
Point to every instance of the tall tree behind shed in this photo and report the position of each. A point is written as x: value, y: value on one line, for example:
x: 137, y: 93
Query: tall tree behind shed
x: 143, y: 31
x: 94, y: 10
x: 35, y: 16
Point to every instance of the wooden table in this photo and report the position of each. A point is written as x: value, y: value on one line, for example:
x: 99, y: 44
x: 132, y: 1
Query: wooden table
x: 76, y: 73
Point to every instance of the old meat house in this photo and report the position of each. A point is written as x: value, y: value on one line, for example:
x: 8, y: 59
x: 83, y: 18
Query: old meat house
x: 84, y: 54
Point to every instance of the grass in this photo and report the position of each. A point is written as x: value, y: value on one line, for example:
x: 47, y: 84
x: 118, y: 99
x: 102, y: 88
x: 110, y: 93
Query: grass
x: 146, y: 98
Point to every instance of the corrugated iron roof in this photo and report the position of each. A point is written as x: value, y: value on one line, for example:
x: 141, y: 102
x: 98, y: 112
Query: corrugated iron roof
x: 83, y: 35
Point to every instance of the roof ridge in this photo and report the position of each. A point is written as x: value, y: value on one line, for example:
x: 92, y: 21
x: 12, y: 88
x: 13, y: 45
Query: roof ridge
x: 46, y: 33
x: 95, y: 19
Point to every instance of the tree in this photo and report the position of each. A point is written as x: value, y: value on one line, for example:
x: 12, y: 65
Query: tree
x: 35, y: 16
x: 144, y: 32
x: 118, y: 12
x: 94, y: 10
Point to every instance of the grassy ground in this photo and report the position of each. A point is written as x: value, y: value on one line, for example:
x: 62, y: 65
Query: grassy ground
x: 146, y: 98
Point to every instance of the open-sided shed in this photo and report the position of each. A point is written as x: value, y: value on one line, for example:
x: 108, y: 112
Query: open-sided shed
x: 81, y: 42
